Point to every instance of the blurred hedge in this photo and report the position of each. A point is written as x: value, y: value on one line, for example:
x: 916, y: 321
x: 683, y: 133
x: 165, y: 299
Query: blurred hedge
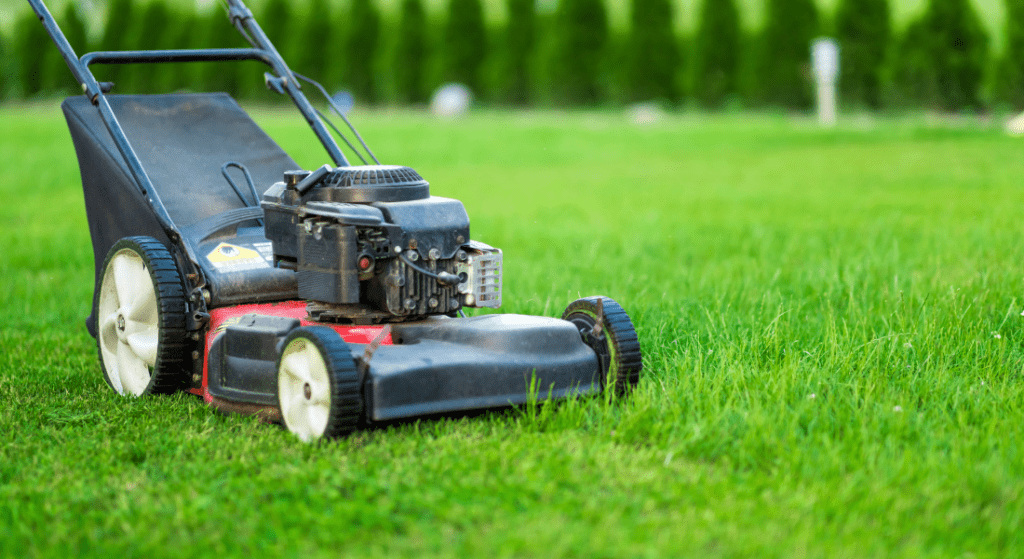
x: 942, y: 58
x: 569, y: 56
x: 361, y: 32
x: 581, y: 31
x: 783, y: 65
x: 411, y: 53
x: 959, y: 52
x: 33, y: 46
x: 120, y: 19
x: 1009, y: 87
x: 520, y: 42
x: 5, y: 65
x: 465, y: 42
x: 57, y: 77
x: 716, y: 57
x: 863, y: 30
x: 652, y: 56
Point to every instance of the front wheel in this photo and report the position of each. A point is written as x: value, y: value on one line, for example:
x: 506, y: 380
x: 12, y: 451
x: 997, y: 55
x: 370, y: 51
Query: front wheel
x: 141, y: 314
x: 606, y: 328
x: 318, y: 387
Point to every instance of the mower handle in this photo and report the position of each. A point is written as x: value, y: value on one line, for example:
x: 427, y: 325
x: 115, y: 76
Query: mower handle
x: 263, y: 50
x: 242, y: 19
x: 176, y: 55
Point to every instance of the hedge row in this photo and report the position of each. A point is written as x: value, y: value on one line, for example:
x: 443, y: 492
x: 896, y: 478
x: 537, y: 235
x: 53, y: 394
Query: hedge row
x: 569, y: 57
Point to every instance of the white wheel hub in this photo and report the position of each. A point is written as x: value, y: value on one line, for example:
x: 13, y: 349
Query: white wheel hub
x: 128, y: 323
x: 304, y: 389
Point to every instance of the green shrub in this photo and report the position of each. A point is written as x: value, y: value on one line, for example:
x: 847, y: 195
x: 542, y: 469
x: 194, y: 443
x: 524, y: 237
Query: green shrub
x: 216, y: 31
x: 276, y: 22
x: 152, y: 30
x: 59, y: 78
x: 652, y: 53
x: 465, y: 43
x: 863, y: 32
x: 313, y: 57
x: 116, y: 34
x: 914, y: 70
x: 1010, y: 77
x: 411, y: 53
x: 520, y: 42
x: 545, y: 59
x: 784, y: 53
x: 361, y: 47
x: 5, y: 67
x: 942, y: 57
x: 961, y: 52
x: 716, y: 53
x: 582, y: 34
x: 182, y: 30
x: 34, y: 49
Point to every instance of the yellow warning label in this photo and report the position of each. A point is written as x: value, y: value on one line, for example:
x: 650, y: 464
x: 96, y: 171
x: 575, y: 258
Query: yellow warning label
x: 226, y: 253
x: 233, y: 258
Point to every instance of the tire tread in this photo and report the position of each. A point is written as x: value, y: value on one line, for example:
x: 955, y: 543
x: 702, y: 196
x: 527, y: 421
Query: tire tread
x: 170, y: 371
x: 622, y: 335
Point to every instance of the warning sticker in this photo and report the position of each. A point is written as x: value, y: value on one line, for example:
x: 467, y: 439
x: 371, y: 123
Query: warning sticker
x: 266, y: 250
x: 232, y: 258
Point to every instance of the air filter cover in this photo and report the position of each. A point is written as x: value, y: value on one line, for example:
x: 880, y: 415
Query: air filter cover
x: 376, y: 183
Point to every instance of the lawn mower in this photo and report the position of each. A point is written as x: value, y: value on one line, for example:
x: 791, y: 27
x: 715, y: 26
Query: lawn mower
x: 333, y: 300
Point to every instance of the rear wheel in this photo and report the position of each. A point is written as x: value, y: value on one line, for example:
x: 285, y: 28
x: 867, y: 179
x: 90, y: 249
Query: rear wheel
x: 141, y: 319
x: 606, y: 328
x: 318, y: 387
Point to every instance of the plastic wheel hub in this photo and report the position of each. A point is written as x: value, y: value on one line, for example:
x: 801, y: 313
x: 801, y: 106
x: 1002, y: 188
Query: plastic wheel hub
x: 318, y: 386
x: 128, y: 329
x: 304, y: 390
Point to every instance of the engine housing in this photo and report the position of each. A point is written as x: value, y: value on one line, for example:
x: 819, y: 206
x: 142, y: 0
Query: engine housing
x: 370, y: 244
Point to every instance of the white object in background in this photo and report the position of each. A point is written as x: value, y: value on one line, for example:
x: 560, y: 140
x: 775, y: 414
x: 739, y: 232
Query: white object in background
x: 825, y: 63
x: 1015, y: 127
x: 645, y: 113
x: 344, y: 100
x: 451, y: 100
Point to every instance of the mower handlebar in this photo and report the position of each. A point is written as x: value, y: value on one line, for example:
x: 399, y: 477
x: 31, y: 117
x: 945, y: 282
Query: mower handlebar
x: 178, y: 55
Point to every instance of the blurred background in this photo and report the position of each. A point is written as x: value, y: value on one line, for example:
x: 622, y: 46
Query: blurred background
x: 715, y: 55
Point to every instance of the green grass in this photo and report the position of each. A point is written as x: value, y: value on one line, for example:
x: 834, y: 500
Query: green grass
x: 831, y: 324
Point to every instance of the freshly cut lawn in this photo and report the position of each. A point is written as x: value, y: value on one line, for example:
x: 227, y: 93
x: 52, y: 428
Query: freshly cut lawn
x: 831, y: 325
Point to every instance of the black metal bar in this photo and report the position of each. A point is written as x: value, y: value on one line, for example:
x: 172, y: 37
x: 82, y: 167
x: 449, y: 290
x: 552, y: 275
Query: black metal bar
x: 179, y: 55
x: 242, y: 16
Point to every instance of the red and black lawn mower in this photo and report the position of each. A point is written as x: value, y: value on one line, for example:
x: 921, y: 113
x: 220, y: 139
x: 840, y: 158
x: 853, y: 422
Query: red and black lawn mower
x: 332, y: 300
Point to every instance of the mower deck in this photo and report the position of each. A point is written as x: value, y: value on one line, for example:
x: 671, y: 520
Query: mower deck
x: 431, y: 366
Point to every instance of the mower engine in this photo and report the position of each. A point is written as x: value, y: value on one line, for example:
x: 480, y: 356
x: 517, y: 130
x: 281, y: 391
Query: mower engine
x: 370, y: 244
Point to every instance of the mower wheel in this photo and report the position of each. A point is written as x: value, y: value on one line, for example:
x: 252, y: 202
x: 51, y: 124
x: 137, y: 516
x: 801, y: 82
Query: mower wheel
x: 141, y: 315
x: 606, y: 328
x: 318, y: 385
